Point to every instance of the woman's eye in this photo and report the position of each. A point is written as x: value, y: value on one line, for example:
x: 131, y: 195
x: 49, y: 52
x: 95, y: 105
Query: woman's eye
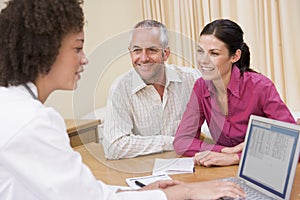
x: 214, y: 54
x: 79, y: 49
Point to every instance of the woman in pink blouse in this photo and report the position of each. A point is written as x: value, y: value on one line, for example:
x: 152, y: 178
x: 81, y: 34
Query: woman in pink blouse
x: 226, y: 95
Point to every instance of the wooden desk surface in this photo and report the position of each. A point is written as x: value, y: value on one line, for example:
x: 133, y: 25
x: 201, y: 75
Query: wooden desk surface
x: 114, y: 172
x: 74, y: 125
x: 82, y: 131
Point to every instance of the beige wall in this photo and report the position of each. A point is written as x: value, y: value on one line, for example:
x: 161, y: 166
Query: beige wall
x: 108, y: 22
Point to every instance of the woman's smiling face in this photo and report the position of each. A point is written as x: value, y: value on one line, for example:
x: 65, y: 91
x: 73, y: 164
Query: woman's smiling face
x: 213, y: 59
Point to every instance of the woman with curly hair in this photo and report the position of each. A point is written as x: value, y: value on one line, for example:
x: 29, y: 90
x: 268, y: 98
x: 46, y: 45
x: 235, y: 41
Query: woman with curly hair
x: 42, y: 51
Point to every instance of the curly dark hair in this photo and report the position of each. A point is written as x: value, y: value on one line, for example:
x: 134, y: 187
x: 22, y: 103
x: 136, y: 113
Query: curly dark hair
x: 31, y: 32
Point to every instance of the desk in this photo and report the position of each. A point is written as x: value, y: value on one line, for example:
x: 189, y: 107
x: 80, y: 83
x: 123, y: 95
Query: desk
x: 82, y: 131
x: 114, y: 172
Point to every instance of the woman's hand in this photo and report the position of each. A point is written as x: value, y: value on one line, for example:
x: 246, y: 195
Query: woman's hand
x: 198, y: 190
x: 161, y: 184
x: 236, y: 149
x: 204, y: 190
x: 210, y: 158
x: 156, y: 185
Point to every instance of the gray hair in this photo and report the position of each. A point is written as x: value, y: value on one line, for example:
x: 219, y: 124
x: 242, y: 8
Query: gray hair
x: 149, y: 23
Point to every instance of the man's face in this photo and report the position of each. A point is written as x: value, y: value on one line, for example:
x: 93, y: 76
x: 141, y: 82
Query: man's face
x: 147, y: 53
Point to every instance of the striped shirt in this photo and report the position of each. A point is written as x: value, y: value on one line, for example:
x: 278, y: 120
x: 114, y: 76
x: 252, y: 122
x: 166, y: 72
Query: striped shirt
x: 137, y: 121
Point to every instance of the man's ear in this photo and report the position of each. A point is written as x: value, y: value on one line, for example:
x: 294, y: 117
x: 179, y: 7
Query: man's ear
x: 166, y: 53
x: 129, y: 49
x: 236, y: 56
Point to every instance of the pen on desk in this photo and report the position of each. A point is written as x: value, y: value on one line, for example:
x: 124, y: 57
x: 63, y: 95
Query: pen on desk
x: 138, y: 183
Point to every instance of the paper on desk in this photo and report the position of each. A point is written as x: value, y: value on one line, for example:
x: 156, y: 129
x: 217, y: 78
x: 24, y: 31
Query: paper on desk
x: 146, y: 180
x: 173, y: 166
x: 115, y: 188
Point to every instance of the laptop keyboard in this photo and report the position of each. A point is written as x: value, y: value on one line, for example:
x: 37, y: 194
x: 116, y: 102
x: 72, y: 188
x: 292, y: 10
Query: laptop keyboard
x: 250, y: 192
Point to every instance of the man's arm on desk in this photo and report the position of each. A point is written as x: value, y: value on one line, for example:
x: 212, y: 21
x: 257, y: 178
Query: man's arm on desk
x: 119, y: 140
x: 130, y: 145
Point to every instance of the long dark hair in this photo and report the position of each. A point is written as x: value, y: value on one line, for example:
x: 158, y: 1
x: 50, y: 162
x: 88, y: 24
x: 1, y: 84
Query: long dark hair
x: 231, y: 34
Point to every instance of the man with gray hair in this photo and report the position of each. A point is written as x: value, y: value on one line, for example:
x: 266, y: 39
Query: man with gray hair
x: 146, y: 104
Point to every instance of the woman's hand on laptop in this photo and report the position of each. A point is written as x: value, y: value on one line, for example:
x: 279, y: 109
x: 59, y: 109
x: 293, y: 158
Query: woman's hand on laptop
x: 236, y: 149
x: 211, y: 158
x: 204, y: 190
x: 298, y: 121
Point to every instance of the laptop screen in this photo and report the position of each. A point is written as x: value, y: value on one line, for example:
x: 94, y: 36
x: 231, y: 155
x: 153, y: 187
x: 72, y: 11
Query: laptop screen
x: 268, y: 157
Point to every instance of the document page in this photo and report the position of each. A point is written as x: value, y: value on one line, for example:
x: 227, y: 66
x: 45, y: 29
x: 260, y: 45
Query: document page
x: 173, y: 166
x: 138, y: 182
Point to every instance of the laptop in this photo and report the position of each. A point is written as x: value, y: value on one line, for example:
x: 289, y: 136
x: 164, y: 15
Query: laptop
x: 269, y: 159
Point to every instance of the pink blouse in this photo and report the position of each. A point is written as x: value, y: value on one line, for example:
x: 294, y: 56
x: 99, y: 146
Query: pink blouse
x: 253, y: 93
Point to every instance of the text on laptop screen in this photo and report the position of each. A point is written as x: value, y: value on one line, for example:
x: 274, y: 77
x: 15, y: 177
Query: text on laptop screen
x: 268, y: 156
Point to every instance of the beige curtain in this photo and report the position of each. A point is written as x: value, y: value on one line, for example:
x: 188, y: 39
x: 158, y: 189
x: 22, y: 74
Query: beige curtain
x: 271, y: 31
x: 2, y: 5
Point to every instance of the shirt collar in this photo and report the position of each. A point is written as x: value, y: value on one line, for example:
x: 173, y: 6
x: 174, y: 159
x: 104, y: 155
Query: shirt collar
x: 138, y: 83
x: 171, y: 75
x: 233, y: 85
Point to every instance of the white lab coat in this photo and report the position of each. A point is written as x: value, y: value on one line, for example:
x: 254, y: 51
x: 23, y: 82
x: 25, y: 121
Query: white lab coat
x: 36, y: 159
